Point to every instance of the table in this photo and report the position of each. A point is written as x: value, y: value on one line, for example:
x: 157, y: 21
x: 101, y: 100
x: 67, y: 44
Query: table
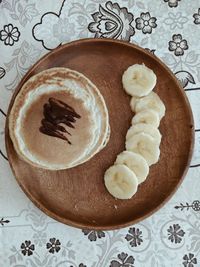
x: 170, y: 29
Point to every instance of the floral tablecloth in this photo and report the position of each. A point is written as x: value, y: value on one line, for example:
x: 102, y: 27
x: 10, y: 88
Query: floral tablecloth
x: 170, y: 29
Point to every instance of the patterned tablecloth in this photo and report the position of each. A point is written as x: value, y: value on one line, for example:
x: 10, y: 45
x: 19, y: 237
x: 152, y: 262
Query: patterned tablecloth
x: 170, y: 29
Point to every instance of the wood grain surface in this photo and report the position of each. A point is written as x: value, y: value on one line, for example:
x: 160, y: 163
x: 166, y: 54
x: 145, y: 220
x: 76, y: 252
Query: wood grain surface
x: 78, y: 196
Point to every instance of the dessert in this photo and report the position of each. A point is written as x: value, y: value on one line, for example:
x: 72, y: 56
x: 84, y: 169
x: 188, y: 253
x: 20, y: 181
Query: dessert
x: 145, y: 145
x: 151, y: 101
x: 120, y: 181
x: 143, y: 137
x: 146, y: 116
x: 144, y: 128
x: 138, y: 80
x: 59, y: 120
x: 136, y: 163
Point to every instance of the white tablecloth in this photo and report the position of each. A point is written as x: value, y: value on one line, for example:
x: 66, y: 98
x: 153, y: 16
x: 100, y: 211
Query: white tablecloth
x: 171, y: 30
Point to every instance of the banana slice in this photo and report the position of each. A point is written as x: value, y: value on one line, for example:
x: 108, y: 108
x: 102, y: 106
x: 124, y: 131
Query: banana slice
x: 133, y: 102
x: 145, y: 145
x: 120, y: 181
x: 138, y: 80
x: 151, y: 101
x: 135, y: 163
x: 144, y: 128
x: 147, y: 116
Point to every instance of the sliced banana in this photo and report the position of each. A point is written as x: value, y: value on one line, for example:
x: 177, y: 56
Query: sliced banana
x: 135, y: 163
x: 147, y: 116
x: 144, y: 128
x: 145, y: 145
x: 151, y: 101
x: 120, y: 181
x: 133, y: 102
x: 138, y: 80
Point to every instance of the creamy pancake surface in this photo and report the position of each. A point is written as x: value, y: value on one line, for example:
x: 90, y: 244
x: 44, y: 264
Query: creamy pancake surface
x: 58, y: 120
x: 47, y: 147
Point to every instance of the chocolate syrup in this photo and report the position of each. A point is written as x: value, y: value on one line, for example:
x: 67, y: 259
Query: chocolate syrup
x: 56, y: 113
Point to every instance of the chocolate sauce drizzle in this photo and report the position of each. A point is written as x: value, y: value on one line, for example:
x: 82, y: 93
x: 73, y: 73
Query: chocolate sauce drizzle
x: 56, y: 113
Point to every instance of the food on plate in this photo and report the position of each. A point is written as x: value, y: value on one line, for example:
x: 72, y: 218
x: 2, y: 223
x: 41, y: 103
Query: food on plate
x: 138, y: 80
x: 143, y: 138
x: 151, y: 101
x: 120, y: 181
x: 136, y: 163
x: 148, y: 116
x: 58, y: 120
x: 144, y: 128
x: 145, y: 145
x: 133, y: 103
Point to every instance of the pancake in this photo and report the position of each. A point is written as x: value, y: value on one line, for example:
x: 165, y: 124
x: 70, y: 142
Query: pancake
x: 58, y: 120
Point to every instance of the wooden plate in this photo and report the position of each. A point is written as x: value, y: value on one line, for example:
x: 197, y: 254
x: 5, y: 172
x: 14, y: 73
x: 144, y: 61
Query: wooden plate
x: 77, y: 196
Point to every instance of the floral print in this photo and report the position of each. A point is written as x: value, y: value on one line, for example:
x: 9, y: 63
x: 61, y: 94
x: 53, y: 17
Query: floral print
x: 163, y: 237
x: 53, y: 245
x: 55, y: 29
x: 9, y: 34
x: 63, y: 29
x: 2, y: 147
x: 3, y: 221
x: 152, y: 51
x: 134, y: 236
x: 158, y: 38
x: 196, y: 17
x: 184, y: 78
x: 146, y: 23
x: 22, y: 13
x: 93, y: 235
x: 23, y: 58
x: 189, y: 260
x: 27, y: 248
x: 39, y: 238
x: 123, y: 261
x: 2, y: 72
x: 178, y: 45
x: 175, y: 20
x: 172, y: 3
x: 175, y: 233
x: 196, y: 205
x: 112, y: 22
